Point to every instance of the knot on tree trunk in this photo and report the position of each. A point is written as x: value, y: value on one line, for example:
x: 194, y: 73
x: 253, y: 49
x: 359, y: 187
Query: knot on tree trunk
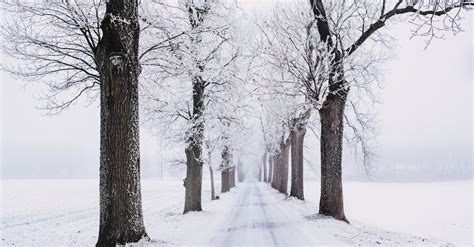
x: 117, y: 59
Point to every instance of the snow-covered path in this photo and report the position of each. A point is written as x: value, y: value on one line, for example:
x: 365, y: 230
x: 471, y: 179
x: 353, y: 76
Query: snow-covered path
x: 259, y: 218
x: 66, y: 213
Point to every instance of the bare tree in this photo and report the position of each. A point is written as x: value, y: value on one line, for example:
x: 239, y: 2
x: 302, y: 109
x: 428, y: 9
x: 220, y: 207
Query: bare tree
x: 343, y: 27
x: 89, y: 48
x: 291, y: 52
x: 193, y: 151
x: 275, y: 124
x: 224, y: 127
x: 202, y: 52
x: 232, y: 137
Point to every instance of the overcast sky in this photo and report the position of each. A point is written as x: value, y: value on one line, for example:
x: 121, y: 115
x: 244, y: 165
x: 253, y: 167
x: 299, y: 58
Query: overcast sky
x: 426, y: 116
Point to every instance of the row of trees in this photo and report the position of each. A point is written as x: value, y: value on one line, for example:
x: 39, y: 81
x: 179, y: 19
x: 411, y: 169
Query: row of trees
x: 316, y: 52
x: 117, y: 50
x: 195, y: 77
x: 208, y: 116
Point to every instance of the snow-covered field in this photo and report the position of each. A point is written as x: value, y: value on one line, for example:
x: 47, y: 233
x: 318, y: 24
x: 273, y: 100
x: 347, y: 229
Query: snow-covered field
x: 65, y: 213
x: 441, y: 210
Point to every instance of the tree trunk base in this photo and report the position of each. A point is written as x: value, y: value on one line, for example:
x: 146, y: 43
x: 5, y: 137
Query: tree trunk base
x: 331, y: 202
x: 121, y: 239
x: 193, y: 182
x: 338, y: 216
x: 297, y: 146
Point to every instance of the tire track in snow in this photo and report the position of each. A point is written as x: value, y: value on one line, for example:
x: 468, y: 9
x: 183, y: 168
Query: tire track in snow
x: 266, y: 216
x: 263, y: 217
x: 18, y: 221
x: 249, y: 224
x: 290, y: 230
x: 85, y: 213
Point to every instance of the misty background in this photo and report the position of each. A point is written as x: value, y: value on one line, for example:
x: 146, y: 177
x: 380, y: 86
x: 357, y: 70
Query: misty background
x: 425, y: 123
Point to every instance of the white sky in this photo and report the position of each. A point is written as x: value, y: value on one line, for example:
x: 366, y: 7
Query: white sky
x: 426, y: 116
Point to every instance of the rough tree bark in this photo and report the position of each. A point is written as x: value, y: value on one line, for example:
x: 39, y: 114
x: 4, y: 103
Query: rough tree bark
x: 121, y: 217
x: 332, y: 115
x: 297, y: 145
x: 193, y: 151
x: 297, y: 134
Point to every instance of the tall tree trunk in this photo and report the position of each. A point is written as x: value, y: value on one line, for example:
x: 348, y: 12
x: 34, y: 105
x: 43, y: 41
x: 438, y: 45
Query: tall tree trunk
x: 283, y: 174
x: 264, y: 164
x: 259, y: 175
x: 297, y: 145
x: 332, y: 115
x: 193, y: 151
x: 121, y: 217
x: 194, y: 163
x: 193, y: 180
x: 225, y: 180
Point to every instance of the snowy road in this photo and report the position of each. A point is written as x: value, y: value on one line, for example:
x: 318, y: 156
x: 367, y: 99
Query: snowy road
x: 259, y: 218
x: 66, y: 213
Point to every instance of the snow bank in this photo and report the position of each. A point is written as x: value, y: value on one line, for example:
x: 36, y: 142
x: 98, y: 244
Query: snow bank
x: 441, y: 210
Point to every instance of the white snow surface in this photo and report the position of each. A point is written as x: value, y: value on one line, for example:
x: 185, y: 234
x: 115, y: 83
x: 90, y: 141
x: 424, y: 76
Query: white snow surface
x: 66, y: 213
